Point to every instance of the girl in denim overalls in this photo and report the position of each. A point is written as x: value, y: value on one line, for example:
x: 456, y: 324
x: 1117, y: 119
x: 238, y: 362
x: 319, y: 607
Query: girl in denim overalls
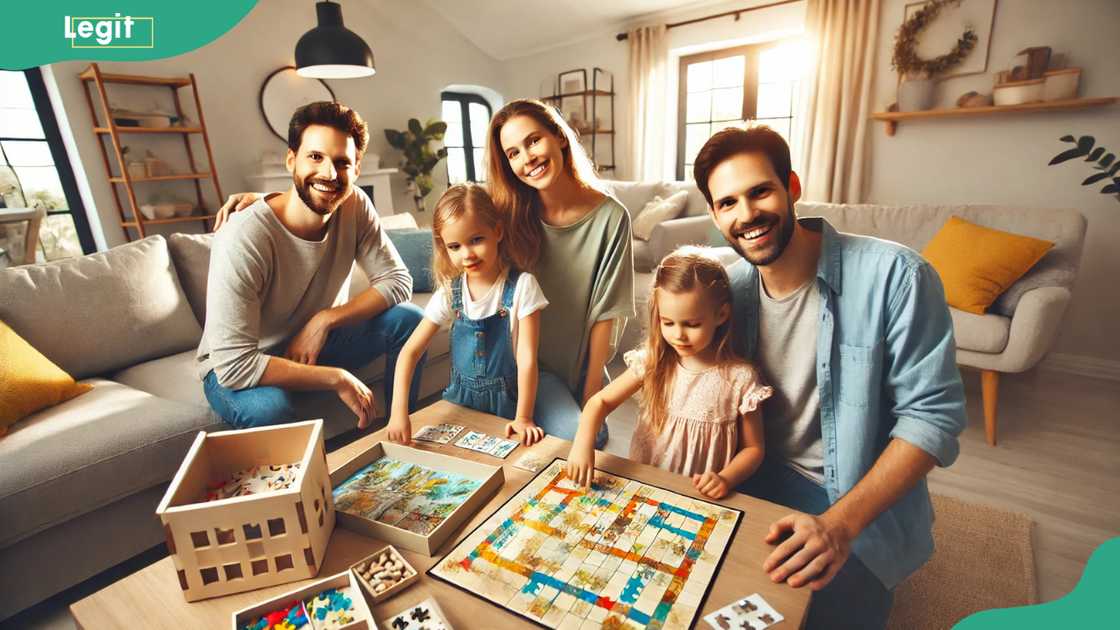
x: 494, y: 314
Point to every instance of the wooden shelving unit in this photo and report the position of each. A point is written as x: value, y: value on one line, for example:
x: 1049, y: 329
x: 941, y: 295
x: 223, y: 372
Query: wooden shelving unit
x: 133, y: 220
x: 590, y: 134
x: 894, y: 118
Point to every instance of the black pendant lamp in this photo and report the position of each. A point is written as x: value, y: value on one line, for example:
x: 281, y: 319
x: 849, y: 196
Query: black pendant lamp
x: 330, y: 50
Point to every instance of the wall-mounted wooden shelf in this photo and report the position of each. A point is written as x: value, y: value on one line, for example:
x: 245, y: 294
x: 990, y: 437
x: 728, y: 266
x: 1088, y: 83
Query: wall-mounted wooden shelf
x: 107, y: 77
x: 893, y: 118
x: 119, y: 129
x: 161, y: 178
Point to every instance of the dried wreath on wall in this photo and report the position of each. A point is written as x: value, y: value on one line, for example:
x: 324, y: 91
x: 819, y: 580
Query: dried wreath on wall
x: 907, y: 62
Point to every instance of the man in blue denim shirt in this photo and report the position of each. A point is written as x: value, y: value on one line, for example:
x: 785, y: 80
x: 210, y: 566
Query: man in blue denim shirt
x: 883, y: 402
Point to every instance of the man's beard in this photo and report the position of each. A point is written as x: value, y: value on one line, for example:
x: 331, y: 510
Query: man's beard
x: 303, y: 189
x: 765, y: 257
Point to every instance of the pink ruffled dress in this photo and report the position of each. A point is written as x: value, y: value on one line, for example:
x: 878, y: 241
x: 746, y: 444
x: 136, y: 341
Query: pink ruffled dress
x: 701, y: 429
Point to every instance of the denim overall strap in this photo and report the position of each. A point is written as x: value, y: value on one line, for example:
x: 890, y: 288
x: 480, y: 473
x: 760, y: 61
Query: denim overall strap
x: 483, y: 365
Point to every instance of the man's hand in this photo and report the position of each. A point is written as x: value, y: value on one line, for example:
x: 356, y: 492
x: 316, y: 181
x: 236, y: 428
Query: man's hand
x: 236, y: 203
x: 814, y: 551
x: 400, y: 429
x: 356, y: 396
x: 581, y: 464
x: 711, y: 485
x: 528, y: 430
x: 308, y: 343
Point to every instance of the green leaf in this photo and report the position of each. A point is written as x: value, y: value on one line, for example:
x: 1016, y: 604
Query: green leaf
x: 1092, y: 179
x: 414, y: 127
x: 1106, y: 160
x: 1067, y: 138
x: 442, y: 153
x: 1095, y: 155
x: 395, y: 138
x: 1068, y: 154
x: 436, y: 128
x: 1111, y: 188
x: 1115, y: 167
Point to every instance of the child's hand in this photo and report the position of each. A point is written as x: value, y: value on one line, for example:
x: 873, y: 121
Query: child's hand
x: 581, y: 465
x: 711, y: 485
x: 528, y: 430
x: 400, y: 429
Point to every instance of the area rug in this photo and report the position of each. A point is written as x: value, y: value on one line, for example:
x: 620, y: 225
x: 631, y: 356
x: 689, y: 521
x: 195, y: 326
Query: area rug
x: 984, y: 559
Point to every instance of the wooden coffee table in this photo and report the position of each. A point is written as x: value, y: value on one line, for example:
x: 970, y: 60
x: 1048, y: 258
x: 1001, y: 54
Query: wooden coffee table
x: 151, y: 597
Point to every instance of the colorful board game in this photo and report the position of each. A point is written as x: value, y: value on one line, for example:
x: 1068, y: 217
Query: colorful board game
x: 622, y: 555
x: 402, y: 494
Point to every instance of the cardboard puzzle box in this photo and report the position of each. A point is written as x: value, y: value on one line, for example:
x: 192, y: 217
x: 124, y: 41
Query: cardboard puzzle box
x: 410, y: 498
x: 249, y: 509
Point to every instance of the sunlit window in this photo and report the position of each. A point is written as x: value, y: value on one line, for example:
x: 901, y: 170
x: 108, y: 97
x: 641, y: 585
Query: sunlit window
x: 34, y: 173
x: 737, y: 86
x: 467, y: 117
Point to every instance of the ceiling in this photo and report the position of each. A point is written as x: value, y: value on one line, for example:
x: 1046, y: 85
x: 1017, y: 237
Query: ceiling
x: 505, y: 29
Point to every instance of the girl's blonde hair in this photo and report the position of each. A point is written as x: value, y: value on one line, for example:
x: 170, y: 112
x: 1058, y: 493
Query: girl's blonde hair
x: 685, y: 269
x: 457, y: 202
x: 517, y: 199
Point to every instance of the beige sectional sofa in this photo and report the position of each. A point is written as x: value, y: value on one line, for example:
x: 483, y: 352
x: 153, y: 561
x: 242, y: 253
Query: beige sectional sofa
x: 79, y: 482
x: 1011, y: 337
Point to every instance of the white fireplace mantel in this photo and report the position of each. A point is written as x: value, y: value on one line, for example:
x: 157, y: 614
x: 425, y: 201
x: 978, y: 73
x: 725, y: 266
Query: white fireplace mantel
x: 379, y: 179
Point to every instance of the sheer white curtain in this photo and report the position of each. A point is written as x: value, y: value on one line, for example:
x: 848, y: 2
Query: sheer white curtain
x: 649, y: 53
x: 837, y: 103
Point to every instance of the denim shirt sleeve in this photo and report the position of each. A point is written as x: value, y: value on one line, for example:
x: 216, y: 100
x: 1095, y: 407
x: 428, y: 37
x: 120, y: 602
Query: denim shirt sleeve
x: 921, y: 371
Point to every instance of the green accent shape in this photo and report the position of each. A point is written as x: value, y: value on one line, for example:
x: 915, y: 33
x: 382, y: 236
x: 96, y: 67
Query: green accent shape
x: 1086, y: 606
x: 35, y: 33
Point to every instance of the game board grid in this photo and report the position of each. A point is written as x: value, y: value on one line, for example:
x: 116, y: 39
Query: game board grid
x: 600, y: 555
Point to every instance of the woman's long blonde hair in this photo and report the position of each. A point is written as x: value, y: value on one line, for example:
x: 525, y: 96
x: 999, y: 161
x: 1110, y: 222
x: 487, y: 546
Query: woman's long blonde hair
x: 517, y: 199
x: 457, y: 202
x: 685, y: 269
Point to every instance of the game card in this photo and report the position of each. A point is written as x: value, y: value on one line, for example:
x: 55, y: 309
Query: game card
x: 471, y: 440
x: 502, y: 448
x: 751, y: 612
x: 438, y: 433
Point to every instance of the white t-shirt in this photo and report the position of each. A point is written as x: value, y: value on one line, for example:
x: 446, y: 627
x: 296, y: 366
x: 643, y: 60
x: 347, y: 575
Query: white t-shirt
x: 527, y: 299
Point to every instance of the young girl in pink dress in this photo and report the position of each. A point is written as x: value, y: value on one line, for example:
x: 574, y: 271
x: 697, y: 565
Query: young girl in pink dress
x: 700, y: 412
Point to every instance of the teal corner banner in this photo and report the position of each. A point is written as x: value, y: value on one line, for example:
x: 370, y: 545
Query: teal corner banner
x: 1088, y: 605
x: 40, y: 33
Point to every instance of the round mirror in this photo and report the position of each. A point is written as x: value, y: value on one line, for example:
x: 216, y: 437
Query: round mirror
x: 283, y: 92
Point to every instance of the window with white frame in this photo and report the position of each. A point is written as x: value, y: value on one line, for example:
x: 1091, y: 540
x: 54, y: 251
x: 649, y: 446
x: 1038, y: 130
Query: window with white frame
x: 467, y: 117
x: 735, y: 87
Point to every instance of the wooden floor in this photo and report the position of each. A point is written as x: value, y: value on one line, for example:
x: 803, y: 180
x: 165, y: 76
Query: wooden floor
x: 1058, y: 461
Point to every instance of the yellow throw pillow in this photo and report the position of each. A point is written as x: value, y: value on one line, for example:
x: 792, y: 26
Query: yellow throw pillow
x: 29, y: 381
x: 977, y: 264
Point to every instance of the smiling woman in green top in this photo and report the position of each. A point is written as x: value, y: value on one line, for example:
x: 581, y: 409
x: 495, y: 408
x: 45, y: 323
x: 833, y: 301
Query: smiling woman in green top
x: 576, y: 241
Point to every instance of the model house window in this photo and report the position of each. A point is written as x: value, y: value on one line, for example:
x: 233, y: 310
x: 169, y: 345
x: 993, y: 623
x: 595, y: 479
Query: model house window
x: 35, y: 171
x: 467, y: 117
x: 735, y: 86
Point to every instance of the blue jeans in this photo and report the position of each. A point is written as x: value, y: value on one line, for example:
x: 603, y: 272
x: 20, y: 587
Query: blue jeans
x: 855, y: 598
x: 349, y: 347
x: 557, y: 409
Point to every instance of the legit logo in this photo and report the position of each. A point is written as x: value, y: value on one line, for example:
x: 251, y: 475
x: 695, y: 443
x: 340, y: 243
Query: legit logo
x: 110, y: 32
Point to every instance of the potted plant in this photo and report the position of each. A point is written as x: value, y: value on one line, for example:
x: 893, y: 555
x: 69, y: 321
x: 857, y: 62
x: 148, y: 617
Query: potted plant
x: 916, y: 87
x: 419, y: 158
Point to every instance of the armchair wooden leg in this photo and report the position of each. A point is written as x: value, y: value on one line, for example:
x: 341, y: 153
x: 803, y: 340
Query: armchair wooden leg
x: 31, y: 240
x: 989, y: 382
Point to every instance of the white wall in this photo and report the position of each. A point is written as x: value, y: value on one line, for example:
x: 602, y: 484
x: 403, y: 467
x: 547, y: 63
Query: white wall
x: 417, y: 53
x: 602, y: 50
x: 1002, y: 159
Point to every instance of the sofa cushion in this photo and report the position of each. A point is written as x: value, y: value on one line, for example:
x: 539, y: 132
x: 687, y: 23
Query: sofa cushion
x: 657, y: 211
x: 633, y: 195
x: 98, y: 313
x: 696, y: 205
x: 191, y: 255
x: 415, y: 247
x: 91, y: 451
x: 977, y: 264
x: 28, y: 380
x: 980, y: 333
